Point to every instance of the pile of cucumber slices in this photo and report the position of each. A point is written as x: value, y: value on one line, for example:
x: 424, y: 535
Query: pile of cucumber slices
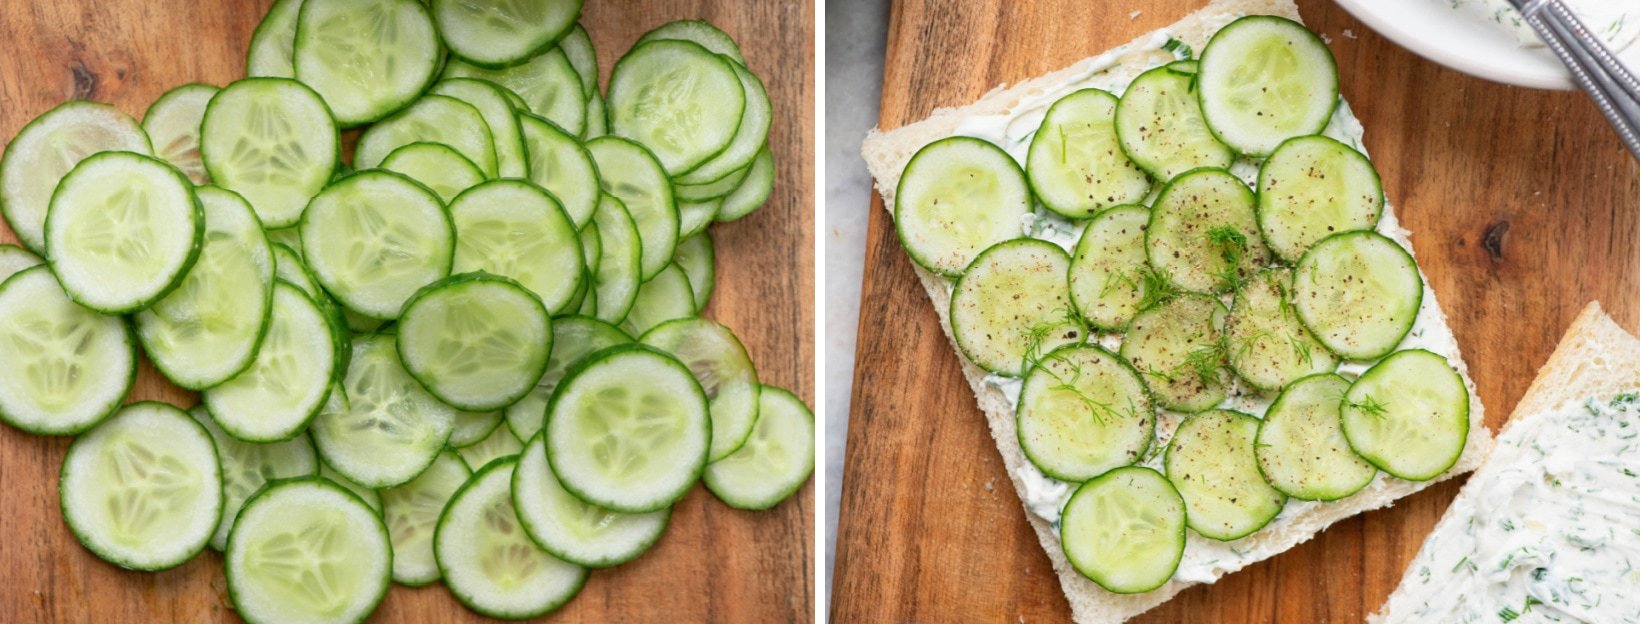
x: 473, y: 354
x: 1227, y: 253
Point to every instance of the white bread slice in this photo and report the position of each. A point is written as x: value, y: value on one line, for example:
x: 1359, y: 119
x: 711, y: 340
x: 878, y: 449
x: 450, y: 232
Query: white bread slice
x: 886, y: 154
x: 1596, y: 358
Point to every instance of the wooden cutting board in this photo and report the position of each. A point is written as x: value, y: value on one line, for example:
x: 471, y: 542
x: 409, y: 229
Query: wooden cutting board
x: 714, y: 563
x: 1522, y: 205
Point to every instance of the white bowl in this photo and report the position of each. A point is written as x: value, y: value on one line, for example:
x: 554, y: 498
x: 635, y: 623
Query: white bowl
x: 1434, y: 30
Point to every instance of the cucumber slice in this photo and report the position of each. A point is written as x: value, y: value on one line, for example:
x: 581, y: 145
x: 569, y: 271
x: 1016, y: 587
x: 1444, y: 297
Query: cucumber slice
x: 367, y: 58
x: 1212, y: 463
x: 499, y: 115
x: 14, y: 259
x: 1359, y: 293
x: 384, y: 429
x: 274, y: 42
x: 288, y: 266
x: 123, y: 231
x: 1178, y: 347
x: 1265, y: 342
x: 631, y: 173
x: 516, y: 230
x: 290, y: 237
x: 749, y: 138
x: 472, y: 427
x: 669, y: 296
x: 592, y: 250
x: 571, y: 529
x: 693, y: 217
x: 272, y: 141
x: 1076, y: 164
x: 370, y: 497
x: 725, y: 372
x: 776, y: 460
x: 1013, y: 306
x: 628, y: 430
x: 1159, y: 122
x: 616, y: 283
x: 1203, y: 232
x: 700, y: 32
x: 307, y: 550
x: 957, y: 198
x: 172, y: 124
x: 578, y: 48
x: 1083, y: 411
x: 1408, y: 415
x: 547, y: 84
x: 475, y: 341
x: 1125, y: 530
x: 659, y: 95
x: 247, y: 466
x: 437, y: 166
x: 698, y: 260
x: 562, y: 166
x: 1265, y: 79
x: 487, y: 560
x: 597, y: 123
x: 500, y: 443
x: 48, y: 148
x: 497, y: 33
x: 1110, y: 278
x: 573, y: 338
x: 208, y: 330
x: 753, y: 191
x: 143, y: 491
x: 431, y: 119
x: 374, y: 238
x: 412, y: 511
x: 719, y: 189
x: 291, y: 377
x: 1313, y: 187
x: 67, y: 368
x: 1301, y: 446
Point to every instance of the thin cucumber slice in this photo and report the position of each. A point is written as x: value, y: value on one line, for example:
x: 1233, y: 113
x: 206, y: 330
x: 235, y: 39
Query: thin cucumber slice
x: 143, y: 491
x: 573, y: 338
x: 1212, y: 462
x: 669, y: 296
x: 385, y: 429
x: 499, y: 115
x: 291, y: 377
x: 1313, y: 187
x: 48, y: 148
x: 1178, y: 346
x: 749, y: 138
x: 1359, y: 293
x: 247, y: 466
x: 474, y: 340
x: 370, y: 497
x: 487, y: 559
x: 172, y: 124
x: 1125, y: 530
x: 1159, y: 122
x: 208, y: 330
x: 753, y: 192
x: 412, y: 511
x: 660, y: 94
x: 571, y: 529
x: 693, y: 217
x: 1013, y: 306
x: 1301, y: 446
x: 361, y: 324
x: 497, y: 33
x: 288, y: 266
x: 123, y: 231
x: 628, y: 430
x: 1265, y: 79
x: 67, y: 368
x: 1265, y: 342
x: 1408, y: 415
x: 374, y: 238
x: 472, y: 427
x: 776, y: 460
x: 713, y: 190
x: 725, y: 372
x: 367, y: 58
x: 1083, y: 411
x: 698, y: 260
x: 957, y: 198
x: 559, y: 164
x: 14, y: 259
x: 290, y: 237
x: 274, y: 42
x: 583, y: 56
x: 547, y: 84
x: 272, y: 141
x: 437, y: 166
x: 700, y: 32
x: 1203, y: 232
x: 307, y: 550
x: 516, y: 230
x: 591, y: 248
x: 431, y: 119
x: 1110, y: 278
x: 597, y: 123
x: 630, y: 173
x: 616, y: 283
x: 1076, y: 164
x: 500, y: 443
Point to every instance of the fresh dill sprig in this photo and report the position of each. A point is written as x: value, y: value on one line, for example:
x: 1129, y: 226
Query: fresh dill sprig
x: 1232, y: 245
x: 1037, y: 337
x: 1102, y: 412
x: 1370, y: 404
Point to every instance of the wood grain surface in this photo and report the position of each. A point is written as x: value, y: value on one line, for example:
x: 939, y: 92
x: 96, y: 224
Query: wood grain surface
x: 1522, y: 206
x: 714, y: 564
